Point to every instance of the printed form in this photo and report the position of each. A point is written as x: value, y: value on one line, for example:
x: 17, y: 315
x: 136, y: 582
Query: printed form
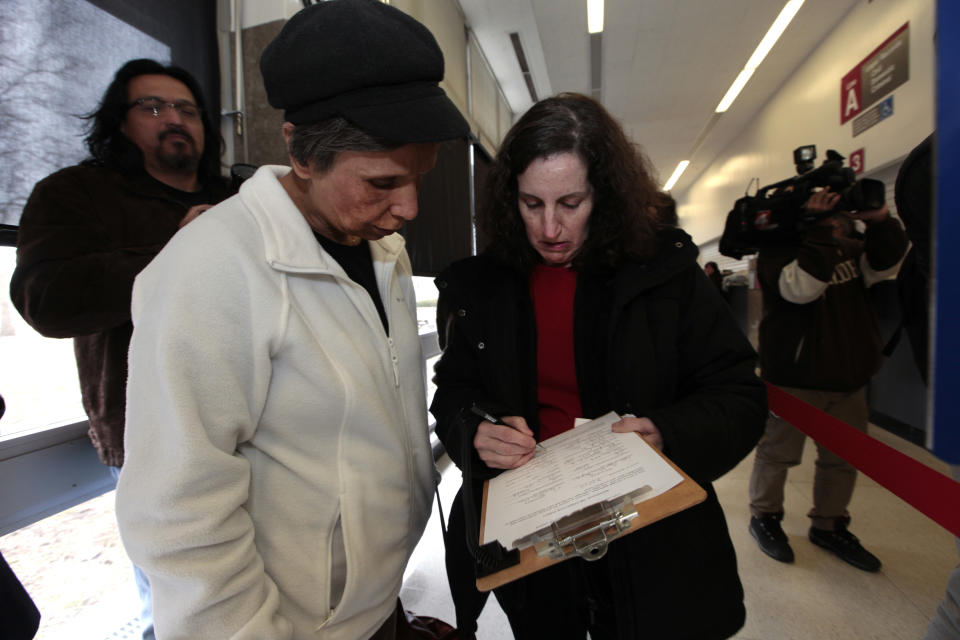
x: 575, y: 469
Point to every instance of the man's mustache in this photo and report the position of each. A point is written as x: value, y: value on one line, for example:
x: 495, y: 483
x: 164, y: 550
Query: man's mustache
x: 174, y: 129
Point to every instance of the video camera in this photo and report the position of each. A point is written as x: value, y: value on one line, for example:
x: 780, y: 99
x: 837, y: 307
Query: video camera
x: 776, y: 213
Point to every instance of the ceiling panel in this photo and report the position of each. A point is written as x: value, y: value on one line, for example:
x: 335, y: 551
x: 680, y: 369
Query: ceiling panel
x: 666, y: 63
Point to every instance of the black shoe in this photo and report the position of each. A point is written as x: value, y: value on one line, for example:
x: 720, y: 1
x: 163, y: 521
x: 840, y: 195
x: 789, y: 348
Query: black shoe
x: 769, y: 535
x: 845, y: 544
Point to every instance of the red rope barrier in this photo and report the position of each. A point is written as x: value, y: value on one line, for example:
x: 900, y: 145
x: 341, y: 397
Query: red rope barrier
x: 931, y: 493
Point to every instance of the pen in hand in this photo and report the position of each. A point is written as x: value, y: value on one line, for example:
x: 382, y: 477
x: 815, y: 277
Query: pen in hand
x: 494, y: 420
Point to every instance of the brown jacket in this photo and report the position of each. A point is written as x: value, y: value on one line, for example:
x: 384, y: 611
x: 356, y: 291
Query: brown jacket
x: 85, y: 234
x: 830, y: 341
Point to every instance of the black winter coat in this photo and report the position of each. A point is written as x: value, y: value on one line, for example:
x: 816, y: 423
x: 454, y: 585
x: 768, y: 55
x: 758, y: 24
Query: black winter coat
x: 654, y: 340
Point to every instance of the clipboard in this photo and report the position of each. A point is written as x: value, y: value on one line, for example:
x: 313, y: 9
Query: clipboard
x: 587, y: 533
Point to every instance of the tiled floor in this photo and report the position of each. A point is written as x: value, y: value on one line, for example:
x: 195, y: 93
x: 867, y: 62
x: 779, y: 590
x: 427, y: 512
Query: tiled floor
x: 818, y: 597
x: 75, y: 568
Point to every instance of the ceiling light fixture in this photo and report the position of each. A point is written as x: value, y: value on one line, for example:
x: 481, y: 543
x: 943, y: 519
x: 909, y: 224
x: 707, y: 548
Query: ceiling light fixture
x: 594, y: 16
x: 676, y: 175
x: 773, y: 34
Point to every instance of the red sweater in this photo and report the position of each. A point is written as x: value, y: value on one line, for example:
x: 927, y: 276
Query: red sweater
x: 558, y: 398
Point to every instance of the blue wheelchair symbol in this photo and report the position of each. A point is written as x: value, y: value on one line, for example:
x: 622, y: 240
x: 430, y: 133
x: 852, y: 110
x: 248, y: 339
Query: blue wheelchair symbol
x: 886, y: 108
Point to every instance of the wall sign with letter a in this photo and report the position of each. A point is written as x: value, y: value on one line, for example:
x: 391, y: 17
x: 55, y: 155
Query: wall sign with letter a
x: 885, y: 69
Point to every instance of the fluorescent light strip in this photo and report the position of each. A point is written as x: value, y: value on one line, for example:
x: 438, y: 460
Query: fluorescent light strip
x: 734, y: 90
x: 676, y: 175
x: 766, y: 44
x: 594, y: 16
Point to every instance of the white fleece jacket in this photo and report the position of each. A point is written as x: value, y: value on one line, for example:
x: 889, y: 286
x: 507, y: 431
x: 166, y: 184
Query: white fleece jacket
x: 276, y: 437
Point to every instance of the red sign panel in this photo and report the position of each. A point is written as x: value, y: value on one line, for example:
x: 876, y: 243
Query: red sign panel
x: 856, y: 161
x: 885, y: 69
x: 851, y: 96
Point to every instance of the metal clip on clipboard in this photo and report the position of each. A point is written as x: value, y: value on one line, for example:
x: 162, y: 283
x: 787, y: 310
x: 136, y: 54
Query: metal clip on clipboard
x: 588, y: 532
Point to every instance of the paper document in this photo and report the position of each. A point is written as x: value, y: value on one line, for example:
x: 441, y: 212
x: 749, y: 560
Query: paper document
x: 575, y: 469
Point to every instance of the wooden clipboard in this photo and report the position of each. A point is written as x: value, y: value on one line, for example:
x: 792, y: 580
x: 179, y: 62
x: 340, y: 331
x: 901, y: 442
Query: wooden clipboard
x: 683, y: 496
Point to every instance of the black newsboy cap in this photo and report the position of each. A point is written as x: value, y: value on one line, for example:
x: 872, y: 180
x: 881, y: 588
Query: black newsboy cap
x: 367, y: 62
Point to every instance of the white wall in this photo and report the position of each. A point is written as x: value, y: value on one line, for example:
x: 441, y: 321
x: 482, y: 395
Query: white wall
x: 468, y: 78
x: 445, y: 22
x: 807, y: 111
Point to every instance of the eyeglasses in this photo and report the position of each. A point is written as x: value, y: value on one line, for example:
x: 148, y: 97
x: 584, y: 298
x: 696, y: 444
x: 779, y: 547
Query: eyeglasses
x: 153, y: 106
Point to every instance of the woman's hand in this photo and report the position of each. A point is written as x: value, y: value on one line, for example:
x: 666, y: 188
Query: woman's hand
x: 643, y: 426
x: 505, y: 447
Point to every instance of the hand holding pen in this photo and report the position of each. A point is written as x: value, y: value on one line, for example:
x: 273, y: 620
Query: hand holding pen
x: 503, y: 443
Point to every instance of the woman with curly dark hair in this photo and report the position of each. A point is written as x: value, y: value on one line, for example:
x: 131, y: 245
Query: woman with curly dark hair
x: 582, y: 304
x: 619, y: 175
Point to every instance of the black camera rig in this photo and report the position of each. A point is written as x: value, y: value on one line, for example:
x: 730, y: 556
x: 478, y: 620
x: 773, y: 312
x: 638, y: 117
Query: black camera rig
x: 777, y: 214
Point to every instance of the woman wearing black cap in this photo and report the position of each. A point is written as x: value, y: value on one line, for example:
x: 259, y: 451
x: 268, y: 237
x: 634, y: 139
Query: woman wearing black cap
x: 278, y: 471
x: 579, y: 307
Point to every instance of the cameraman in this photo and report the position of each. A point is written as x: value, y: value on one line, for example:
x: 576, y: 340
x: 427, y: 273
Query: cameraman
x: 819, y: 341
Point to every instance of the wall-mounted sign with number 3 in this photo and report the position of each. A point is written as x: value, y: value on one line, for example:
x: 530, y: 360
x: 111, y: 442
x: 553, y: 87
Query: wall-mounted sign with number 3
x: 856, y: 161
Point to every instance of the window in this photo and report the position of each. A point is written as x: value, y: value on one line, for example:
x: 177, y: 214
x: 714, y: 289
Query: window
x: 427, y: 295
x: 38, y: 379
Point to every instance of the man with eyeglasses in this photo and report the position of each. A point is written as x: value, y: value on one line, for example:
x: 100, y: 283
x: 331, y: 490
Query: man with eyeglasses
x: 88, y: 230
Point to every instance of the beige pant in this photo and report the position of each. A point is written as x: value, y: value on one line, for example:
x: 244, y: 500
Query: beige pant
x: 781, y: 447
